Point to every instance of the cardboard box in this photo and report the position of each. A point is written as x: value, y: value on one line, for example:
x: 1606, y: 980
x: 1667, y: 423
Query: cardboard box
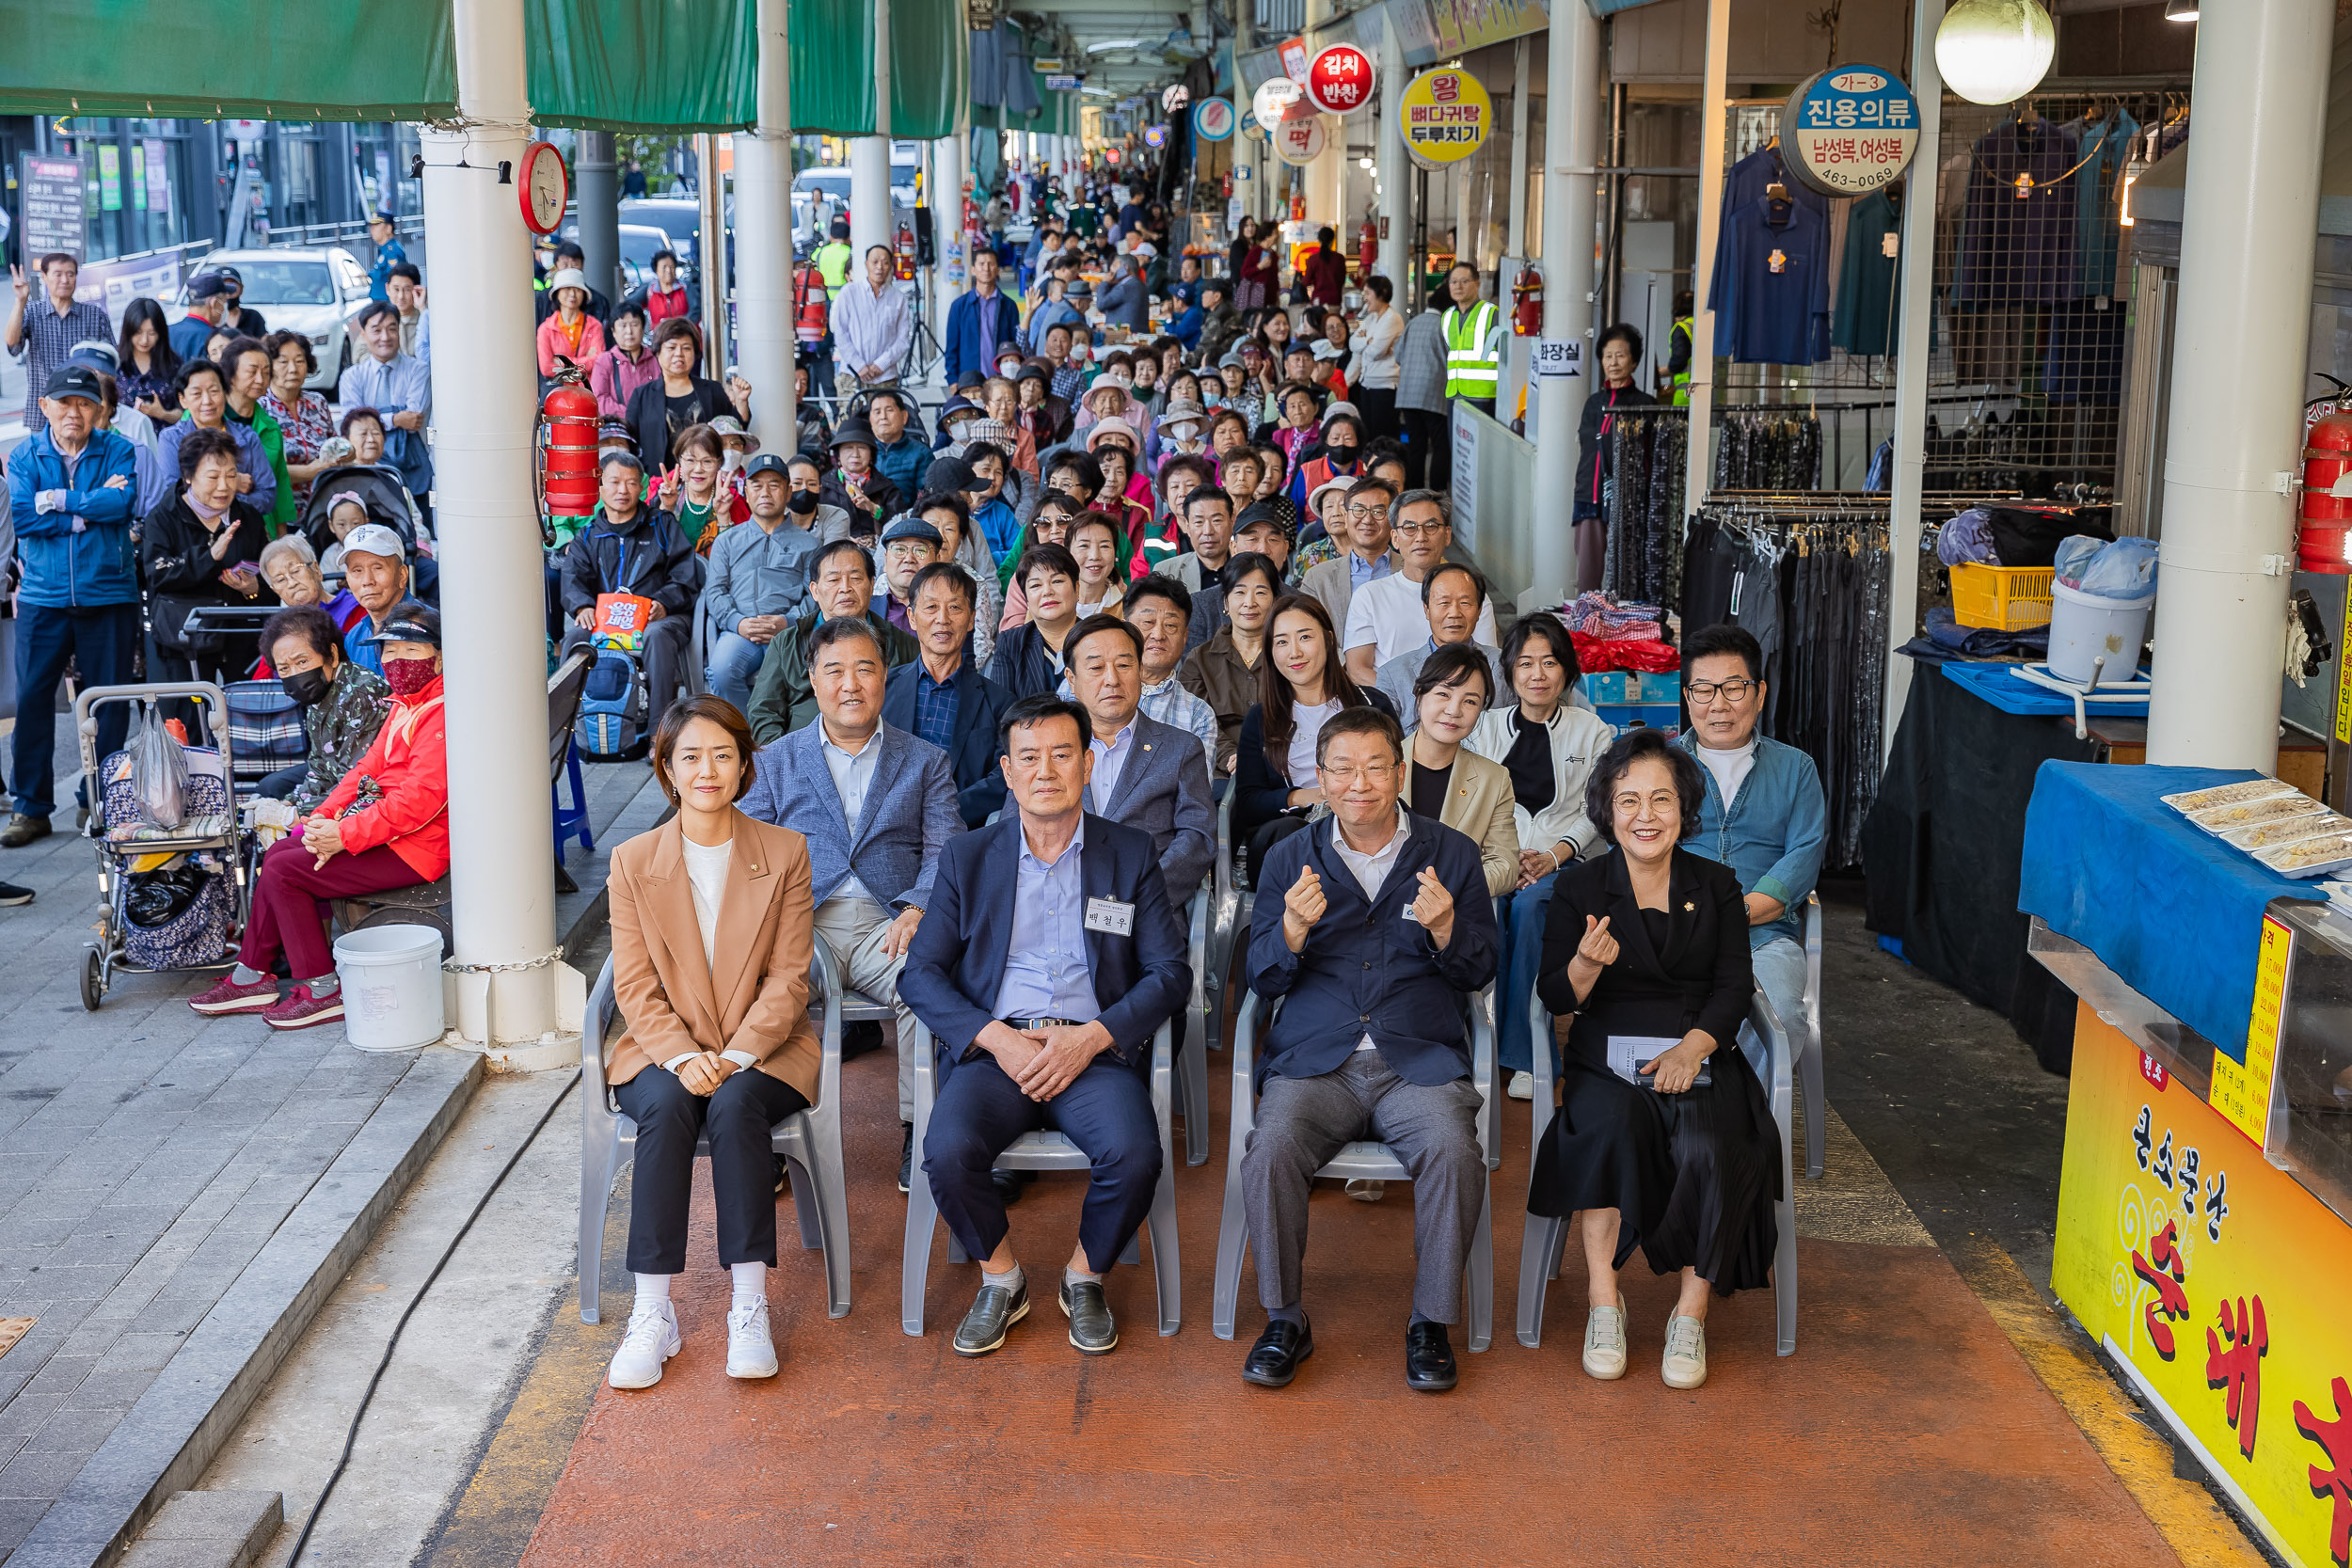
x: 1622, y: 717
x: 1633, y: 686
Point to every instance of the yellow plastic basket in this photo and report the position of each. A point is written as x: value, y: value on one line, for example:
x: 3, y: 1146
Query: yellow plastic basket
x: 2005, y: 598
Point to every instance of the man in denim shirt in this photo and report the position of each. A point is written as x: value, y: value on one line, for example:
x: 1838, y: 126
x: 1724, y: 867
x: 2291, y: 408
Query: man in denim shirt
x: 1765, y: 815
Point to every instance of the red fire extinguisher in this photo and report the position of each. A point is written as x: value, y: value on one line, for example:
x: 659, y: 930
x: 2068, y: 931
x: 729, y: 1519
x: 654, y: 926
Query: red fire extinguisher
x: 567, y: 474
x: 2324, y: 542
x: 1527, y: 303
x: 903, y: 246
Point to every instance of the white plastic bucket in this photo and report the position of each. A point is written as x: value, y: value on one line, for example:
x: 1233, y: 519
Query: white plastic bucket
x: 391, y: 980
x: 2085, y: 629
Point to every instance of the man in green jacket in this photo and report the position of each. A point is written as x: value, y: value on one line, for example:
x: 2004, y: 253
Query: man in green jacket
x: 783, y: 698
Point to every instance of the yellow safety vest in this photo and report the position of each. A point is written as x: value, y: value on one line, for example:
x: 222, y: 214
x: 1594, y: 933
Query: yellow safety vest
x: 1678, y: 386
x: 1470, y: 369
x: 833, y: 263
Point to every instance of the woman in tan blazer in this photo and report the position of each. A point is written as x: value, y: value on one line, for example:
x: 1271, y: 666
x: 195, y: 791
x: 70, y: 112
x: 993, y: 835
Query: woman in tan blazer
x: 710, y: 946
x: 1451, y: 691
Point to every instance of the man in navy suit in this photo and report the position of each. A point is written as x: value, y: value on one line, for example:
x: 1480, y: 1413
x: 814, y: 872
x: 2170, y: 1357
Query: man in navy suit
x: 1050, y: 958
x: 940, y: 696
x: 1144, y: 775
x: 877, y: 807
x: 1382, y: 928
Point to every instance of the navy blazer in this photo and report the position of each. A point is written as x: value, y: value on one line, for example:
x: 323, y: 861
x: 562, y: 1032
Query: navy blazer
x: 1366, y: 969
x: 1164, y: 790
x: 972, y: 754
x: 910, y: 813
x: 956, y: 963
x: 1022, y: 663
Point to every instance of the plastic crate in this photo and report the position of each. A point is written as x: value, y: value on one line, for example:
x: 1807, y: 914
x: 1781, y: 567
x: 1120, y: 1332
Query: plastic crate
x: 2004, y: 598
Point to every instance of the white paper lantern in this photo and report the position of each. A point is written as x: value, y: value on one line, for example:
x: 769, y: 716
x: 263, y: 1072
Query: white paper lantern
x: 1995, y: 51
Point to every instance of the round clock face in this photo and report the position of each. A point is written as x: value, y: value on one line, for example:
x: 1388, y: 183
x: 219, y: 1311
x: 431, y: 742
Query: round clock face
x: 545, y: 187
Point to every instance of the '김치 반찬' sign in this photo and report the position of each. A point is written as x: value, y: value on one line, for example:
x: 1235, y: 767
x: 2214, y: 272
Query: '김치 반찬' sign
x: 1849, y: 130
x: 1445, y: 115
x: 1340, y: 80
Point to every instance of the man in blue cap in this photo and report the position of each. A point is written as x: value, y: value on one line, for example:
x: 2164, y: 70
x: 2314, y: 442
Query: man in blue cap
x: 388, y: 251
x: 208, y: 308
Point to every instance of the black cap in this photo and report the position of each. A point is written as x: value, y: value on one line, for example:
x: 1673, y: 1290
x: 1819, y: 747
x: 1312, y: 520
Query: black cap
x: 207, y: 285
x: 952, y: 474
x: 73, y: 381
x: 766, y: 463
x: 230, y: 275
x: 411, y: 622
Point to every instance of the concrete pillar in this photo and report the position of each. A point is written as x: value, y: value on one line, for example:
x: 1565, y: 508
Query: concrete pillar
x: 2240, y: 350
x: 600, y: 204
x: 710, y: 189
x: 1396, y: 170
x: 484, y: 401
x: 1713, y: 128
x: 869, y: 156
x: 1516, y: 350
x: 763, y: 236
x: 1915, y: 305
x: 1571, y: 139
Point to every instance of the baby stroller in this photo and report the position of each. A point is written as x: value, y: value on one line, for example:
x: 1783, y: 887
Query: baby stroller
x: 171, y: 899
x: 379, y: 489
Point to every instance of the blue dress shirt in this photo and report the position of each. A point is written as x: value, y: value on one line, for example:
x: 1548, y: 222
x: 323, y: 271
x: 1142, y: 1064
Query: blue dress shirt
x: 1046, y: 972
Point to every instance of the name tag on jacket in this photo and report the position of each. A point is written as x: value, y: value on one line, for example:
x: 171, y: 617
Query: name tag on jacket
x: 1110, y: 916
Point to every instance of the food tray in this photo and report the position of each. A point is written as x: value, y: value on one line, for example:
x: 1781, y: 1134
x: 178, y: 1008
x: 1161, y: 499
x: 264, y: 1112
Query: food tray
x: 2311, y: 857
x: 2246, y: 813
x: 2225, y: 795
x: 2287, y: 830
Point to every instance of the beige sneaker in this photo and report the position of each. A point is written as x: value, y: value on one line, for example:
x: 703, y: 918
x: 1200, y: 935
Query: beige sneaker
x: 1685, y: 1364
x: 1604, y: 1341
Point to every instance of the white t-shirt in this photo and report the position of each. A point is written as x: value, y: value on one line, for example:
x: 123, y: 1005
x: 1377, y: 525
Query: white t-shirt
x: 1388, y: 611
x: 1730, y: 768
x: 706, y: 870
x: 1302, y: 752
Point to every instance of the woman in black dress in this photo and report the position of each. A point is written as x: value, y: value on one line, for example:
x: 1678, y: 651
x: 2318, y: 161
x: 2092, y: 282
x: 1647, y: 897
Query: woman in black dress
x: 1647, y: 947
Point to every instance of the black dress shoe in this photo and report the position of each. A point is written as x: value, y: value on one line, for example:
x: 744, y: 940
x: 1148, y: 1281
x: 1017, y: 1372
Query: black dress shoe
x: 906, y: 1154
x: 860, y: 1036
x: 1429, y: 1359
x: 994, y: 1311
x: 1092, y: 1330
x: 1274, y: 1359
x: 1007, y: 1184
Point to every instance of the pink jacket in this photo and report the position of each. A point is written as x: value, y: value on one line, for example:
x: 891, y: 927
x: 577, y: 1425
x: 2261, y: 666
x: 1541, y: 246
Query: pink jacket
x: 552, y: 341
x: 615, y: 378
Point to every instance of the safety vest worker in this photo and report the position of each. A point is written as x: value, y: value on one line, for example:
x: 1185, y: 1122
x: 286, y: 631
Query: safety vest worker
x: 1678, y: 363
x: 1473, y: 358
x: 833, y: 257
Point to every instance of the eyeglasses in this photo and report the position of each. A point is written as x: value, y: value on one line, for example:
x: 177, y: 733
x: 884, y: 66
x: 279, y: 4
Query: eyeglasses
x: 1412, y: 530
x: 1359, y: 510
x: 1703, y: 692
x: 1377, y: 772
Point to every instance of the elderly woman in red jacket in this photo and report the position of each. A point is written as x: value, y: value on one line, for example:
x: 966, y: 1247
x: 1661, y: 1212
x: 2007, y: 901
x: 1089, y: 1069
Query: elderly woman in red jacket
x: 385, y: 825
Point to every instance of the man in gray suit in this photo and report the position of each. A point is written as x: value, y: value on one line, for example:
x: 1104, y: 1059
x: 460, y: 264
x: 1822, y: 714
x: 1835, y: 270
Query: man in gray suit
x: 1147, y: 775
x: 1451, y: 596
x: 877, y: 805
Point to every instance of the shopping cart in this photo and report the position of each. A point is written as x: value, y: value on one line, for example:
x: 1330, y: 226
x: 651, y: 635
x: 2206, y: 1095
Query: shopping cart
x: 209, y: 847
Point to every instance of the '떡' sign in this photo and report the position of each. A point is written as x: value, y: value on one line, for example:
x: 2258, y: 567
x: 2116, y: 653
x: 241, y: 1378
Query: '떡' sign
x: 1301, y: 140
x: 1445, y: 115
x: 1340, y: 80
x: 1213, y: 120
x: 1850, y: 130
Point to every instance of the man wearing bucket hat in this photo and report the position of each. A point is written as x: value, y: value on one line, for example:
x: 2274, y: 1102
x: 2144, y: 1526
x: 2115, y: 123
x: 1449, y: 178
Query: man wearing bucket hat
x: 1763, y: 814
x: 386, y: 825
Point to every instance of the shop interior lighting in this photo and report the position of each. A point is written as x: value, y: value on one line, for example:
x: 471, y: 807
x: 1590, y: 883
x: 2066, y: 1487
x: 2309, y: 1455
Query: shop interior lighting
x: 1995, y: 51
x: 2180, y: 11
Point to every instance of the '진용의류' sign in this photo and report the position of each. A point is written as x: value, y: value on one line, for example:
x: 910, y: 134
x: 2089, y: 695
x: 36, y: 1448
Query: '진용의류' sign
x: 1849, y: 130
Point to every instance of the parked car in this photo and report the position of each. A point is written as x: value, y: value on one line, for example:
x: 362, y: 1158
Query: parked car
x: 316, y: 292
x: 680, y: 217
x: 639, y: 243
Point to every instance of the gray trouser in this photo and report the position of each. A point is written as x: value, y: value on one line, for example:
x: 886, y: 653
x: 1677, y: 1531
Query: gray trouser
x: 1780, y: 965
x: 854, y: 927
x: 1302, y: 1122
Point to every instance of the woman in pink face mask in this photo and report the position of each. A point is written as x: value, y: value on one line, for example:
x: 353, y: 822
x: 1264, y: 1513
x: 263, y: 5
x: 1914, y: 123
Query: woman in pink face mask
x: 385, y: 825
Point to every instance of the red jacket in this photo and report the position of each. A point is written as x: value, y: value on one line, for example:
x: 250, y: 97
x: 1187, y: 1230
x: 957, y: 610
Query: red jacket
x: 409, y: 762
x: 660, y: 305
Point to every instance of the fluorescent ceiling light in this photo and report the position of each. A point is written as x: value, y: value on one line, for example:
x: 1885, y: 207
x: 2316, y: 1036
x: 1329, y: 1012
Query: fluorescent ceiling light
x: 1114, y: 44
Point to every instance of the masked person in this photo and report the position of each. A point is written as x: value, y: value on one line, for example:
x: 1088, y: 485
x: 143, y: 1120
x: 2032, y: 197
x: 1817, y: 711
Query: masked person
x: 342, y: 704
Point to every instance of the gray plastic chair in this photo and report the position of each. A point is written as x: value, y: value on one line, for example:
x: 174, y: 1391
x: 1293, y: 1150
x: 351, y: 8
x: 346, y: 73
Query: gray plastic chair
x: 1043, y: 1151
x: 1362, y: 1159
x: 810, y: 1139
x: 1547, y: 1237
x: 1192, y: 1059
x: 1807, y: 1040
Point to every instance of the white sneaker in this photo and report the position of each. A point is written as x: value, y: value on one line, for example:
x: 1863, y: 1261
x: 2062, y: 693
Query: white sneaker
x: 1604, y: 1342
x: 1685, y: 1365
x: 750, y: 1351
x: 652, y: 1338
x: 1522, y: 1085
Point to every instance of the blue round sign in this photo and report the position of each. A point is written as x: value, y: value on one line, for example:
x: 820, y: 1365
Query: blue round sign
x: 1213, y: 120
x: 1850, y: 130
x: 1156, y: 136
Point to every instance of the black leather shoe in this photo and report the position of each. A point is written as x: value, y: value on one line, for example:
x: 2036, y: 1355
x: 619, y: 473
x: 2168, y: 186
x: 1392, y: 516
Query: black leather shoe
x: 1007, y: 1184
x: 1091, y: 1329
x: 860, y: 1036
x: 993, y: 1311
x: 1429, y: 1359
x: 783, y: 1174
x: 1274, y: 1359
x: 906, y: 1154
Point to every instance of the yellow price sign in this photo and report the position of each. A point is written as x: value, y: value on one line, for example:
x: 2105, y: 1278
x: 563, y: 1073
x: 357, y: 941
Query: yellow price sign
x: 2242, y: 1094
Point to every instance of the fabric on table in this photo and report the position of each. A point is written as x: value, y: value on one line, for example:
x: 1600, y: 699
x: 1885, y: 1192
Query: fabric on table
x: 2173, y: 911
x: 2000, y: 685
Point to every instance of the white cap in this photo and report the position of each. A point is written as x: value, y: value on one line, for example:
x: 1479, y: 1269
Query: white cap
x: 374, y: 539
x: 570, y: 278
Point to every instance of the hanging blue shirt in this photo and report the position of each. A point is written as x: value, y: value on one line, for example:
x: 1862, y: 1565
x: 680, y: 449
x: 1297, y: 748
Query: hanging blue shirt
x: 1774, y: 285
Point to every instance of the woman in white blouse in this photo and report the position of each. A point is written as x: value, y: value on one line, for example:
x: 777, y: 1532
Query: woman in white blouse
x: 1548, y: 745
x: 1375, y: 369
x: 711, y: 935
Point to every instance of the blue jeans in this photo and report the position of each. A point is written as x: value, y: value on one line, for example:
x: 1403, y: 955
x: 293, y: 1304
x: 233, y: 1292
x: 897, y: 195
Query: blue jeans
x: 101, y: 639
x: 1525, y: 913
x: 735, y: 661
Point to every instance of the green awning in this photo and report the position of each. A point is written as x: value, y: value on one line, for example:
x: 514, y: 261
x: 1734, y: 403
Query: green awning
x: 929, y: 70
x: 646, y: 65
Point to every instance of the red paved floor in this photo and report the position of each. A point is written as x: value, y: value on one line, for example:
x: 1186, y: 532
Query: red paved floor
x: 1904, y: 1430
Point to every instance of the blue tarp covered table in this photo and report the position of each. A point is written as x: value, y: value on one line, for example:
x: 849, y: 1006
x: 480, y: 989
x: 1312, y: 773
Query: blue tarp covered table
x: 2172, y: 909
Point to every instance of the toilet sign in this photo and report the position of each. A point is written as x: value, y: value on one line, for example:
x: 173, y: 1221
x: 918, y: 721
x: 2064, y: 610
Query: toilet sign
x: 1560, y: 357
x: 1849, y: 130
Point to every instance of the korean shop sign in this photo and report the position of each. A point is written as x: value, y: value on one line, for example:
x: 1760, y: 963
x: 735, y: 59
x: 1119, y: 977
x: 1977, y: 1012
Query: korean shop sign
x: 1849, y: 130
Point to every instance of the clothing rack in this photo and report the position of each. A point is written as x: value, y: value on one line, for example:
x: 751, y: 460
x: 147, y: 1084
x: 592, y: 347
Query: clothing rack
x: 1809, y: 575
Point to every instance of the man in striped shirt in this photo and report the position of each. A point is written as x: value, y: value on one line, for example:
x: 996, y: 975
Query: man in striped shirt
x: 43, y: 335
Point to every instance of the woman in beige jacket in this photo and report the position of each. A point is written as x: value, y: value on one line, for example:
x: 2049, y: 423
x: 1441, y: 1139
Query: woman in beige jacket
x: 1451, y: 691
x: 711, y: 935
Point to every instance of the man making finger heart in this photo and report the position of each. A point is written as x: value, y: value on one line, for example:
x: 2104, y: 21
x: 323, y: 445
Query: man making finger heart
x: 1384, y: 932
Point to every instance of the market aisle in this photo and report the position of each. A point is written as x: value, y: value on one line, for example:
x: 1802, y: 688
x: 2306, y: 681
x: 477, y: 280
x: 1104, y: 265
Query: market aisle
x: 1905, y: 1420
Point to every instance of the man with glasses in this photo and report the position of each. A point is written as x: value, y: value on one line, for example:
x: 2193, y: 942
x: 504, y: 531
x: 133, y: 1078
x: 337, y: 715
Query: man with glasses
x: 1367, y: 556
x: 1385, y: 617
x: 908, y: 546
x: 1383, y: 927
x: 1765, y: 815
